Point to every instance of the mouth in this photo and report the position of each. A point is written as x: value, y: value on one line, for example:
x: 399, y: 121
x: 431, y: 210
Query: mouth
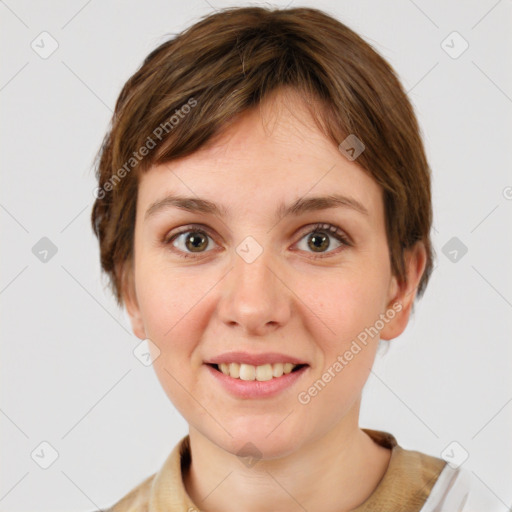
x: 261, y: 373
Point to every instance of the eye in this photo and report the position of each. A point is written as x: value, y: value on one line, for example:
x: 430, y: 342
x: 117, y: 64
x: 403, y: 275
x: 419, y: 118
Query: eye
x: 189, y: 240
x: 192, y: 240
x: 319, y: 239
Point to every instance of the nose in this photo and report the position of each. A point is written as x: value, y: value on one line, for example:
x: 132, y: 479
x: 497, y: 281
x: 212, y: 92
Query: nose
x: 255, y: 297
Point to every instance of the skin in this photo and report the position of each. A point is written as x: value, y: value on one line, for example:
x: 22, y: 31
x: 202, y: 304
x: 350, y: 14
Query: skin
x: 315, y: 455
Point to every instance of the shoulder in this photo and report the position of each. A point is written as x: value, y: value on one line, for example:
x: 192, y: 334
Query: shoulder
x: 136, y: 500
x: 162, y: 490
x: 408, y: 469
x: 408, y: 480
x: 459, y: 489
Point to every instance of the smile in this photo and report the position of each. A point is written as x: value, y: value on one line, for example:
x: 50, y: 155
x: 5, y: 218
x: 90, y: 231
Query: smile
x: 260, y: 373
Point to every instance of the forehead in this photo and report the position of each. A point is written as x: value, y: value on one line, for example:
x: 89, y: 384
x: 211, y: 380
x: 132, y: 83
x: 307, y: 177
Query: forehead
x: 267, y: 157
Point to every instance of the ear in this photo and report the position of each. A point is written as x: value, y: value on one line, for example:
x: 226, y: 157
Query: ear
x: 129, y: 295
x: 401, y: 295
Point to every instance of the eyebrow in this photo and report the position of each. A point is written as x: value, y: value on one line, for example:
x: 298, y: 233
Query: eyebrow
x: 298, y: 207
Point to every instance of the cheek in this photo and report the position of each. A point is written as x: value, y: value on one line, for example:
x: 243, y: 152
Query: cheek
x: 176, y: 307
x: 172, y: 313
x: 348, y: 349
x: 165, y: 300
x: 343, y: 303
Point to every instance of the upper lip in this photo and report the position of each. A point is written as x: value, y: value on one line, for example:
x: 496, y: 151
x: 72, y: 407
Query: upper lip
x: 254, y: 359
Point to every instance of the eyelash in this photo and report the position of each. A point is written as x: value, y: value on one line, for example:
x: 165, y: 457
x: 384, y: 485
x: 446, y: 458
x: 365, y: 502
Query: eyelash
x: 330, y: 229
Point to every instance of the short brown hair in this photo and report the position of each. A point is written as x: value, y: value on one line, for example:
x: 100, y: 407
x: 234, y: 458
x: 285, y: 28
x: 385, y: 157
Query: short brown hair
x: 229, y: 62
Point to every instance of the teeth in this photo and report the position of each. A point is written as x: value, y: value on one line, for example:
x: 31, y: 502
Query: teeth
x: 277, y: 369
x: 234, y: 370
x: 264, y: 372
x: 247, y: 372
x: 288, y: 367
x: 261, y: 373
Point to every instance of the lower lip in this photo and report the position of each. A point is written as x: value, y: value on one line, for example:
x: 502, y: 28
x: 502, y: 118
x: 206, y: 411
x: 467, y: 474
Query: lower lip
x: 255, y: 388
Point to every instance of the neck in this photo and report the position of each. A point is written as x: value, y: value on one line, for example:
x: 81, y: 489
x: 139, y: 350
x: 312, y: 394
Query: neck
x: 334, y: 473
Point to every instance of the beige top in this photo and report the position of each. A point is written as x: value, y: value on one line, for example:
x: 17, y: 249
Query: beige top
x: 404, y: 487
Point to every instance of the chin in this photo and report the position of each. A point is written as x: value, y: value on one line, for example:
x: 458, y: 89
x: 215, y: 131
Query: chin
x: 255, y: 442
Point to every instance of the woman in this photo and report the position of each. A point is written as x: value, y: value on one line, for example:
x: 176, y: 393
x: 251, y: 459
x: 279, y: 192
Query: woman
x: 264, y: 212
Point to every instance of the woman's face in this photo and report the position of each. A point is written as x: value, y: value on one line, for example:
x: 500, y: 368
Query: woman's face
x: 257, y: 283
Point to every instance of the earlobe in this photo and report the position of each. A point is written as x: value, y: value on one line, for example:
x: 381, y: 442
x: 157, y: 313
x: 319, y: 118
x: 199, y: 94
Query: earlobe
x: 403, y: 293
x: 129, y: 295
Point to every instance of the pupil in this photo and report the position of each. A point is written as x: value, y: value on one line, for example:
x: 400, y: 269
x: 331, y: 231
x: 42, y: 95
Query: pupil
x: 322, y: 239
x: 195, y: 242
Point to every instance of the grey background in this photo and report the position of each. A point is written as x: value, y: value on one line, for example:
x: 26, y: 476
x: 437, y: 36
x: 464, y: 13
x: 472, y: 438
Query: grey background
x: 69, y: 376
